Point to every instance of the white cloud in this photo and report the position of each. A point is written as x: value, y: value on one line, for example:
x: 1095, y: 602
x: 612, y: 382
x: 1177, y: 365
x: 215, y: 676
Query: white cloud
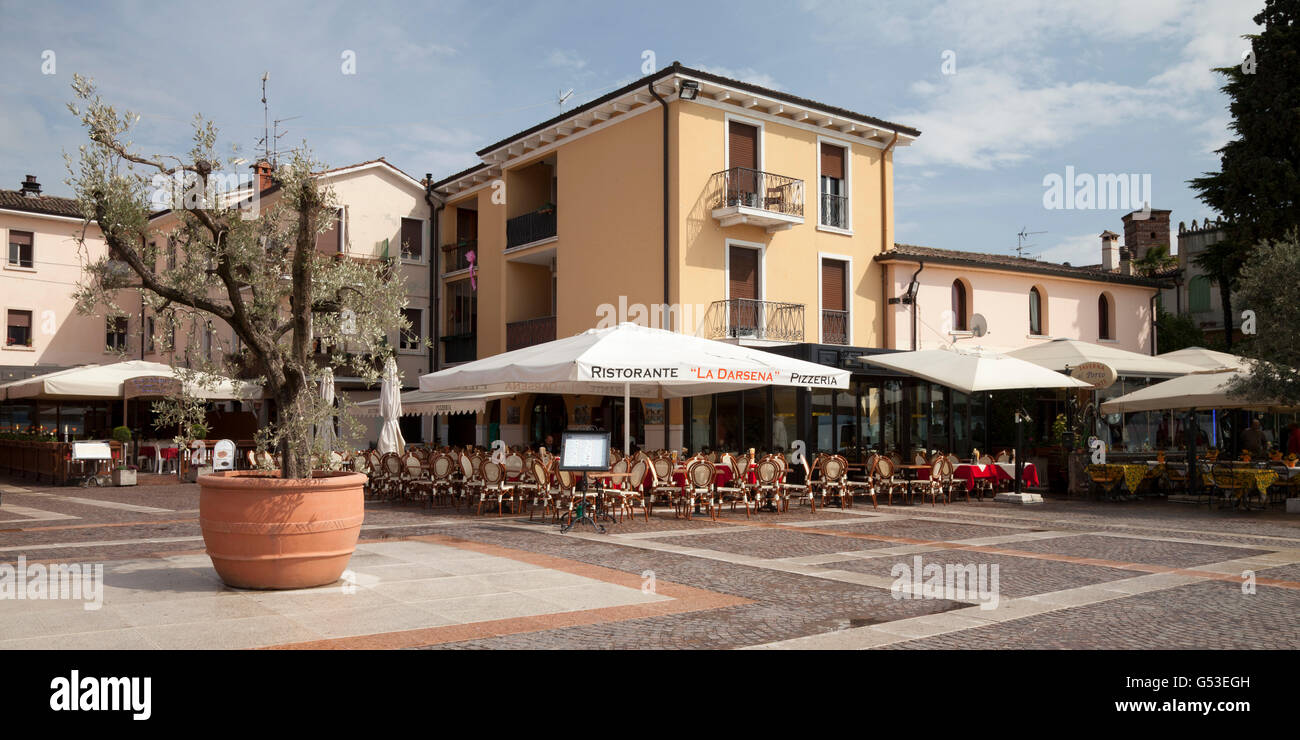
x: 566, y: 58
x: 1078, y: 250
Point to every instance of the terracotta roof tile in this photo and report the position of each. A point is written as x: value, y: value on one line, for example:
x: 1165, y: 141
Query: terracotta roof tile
x: 1010, y: 262
x: 14, y: 200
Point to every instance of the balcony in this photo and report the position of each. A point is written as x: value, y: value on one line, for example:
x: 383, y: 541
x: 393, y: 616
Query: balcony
x: 743, y: 318
x: 835, y: 327
x: 459, y: 348
x: 756, y: 198
x: 455, y: 255
x: 835, y: 211
x: 531, y: 227
x: 526, y: 333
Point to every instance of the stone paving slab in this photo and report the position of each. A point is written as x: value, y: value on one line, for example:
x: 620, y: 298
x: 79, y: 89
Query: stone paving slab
x: 1128, y: 549
x: 771, y: 543
x: 1017, y: 576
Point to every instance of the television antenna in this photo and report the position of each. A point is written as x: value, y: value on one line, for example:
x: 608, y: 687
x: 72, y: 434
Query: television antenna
x: 266, y: 121
x: 1021, y: 240
x: 562, y: 97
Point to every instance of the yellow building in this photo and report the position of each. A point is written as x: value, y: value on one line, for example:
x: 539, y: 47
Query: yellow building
x: 753, y: 214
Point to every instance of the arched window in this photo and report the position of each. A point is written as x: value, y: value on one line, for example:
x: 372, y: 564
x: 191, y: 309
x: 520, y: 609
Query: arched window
x: 959, y: 305
x: 1035, y: 312
x: 1105, y: 329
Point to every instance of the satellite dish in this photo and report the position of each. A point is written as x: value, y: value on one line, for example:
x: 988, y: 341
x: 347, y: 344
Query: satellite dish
x: 979, y: 326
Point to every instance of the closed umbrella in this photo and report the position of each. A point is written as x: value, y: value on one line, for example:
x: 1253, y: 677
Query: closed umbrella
x: 325, y: 430
x: 974, y: 371
x: 390, y: 408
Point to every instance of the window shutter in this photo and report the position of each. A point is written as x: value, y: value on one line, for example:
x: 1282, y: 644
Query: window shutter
x: 833, y: 281
x: 331, y: 242
x: 832, y: 161
x: 20, y: 319
x: 21, y: 238
x: 744, y: 273
x: 412, y: 238
x: 742, y: 142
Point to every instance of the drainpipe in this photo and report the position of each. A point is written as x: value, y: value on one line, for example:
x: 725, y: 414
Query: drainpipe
x: 912, y: 290
x: 436, y: 205
x: 666, y: 313
x: 885, y: 246
x: 1154, y: 297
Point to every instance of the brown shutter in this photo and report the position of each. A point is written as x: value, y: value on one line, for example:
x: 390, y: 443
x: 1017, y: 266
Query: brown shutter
x: 832, y: 161
x: 20, y: 318
x: 413, y: 238
x: 742, y: 142
x: 833, y: 285
x: 744, y: 273
x: 22, y: 238
x: 331, y: 241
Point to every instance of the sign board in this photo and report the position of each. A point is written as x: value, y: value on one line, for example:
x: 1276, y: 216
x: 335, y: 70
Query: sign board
x: 151, y: 386
x: 584, y: 451
x: 223, y: 455
x: 1097, y: 374
x: 91, y: 451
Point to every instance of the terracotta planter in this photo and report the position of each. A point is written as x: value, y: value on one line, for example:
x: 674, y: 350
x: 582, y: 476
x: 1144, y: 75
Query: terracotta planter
x: 266, y: 532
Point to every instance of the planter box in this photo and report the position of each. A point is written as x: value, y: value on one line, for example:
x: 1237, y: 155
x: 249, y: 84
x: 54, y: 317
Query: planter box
x: 192, y: 476
x: 124, y: 477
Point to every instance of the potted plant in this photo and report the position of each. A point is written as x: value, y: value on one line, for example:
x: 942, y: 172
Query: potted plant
x: 250, y: 264
x: 1291, y: 460
x: 124, y: 475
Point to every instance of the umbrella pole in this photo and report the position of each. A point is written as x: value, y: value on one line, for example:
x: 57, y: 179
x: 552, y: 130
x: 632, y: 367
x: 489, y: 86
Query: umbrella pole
x: 1020, y: 437
x: 627, y: 418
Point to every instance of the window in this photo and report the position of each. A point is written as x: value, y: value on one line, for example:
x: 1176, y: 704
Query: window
x: 959, y: 305
x: 1105, y: 329
x: 20, y: 329
x: 20, y: 248
x: 1035, y: 312
x: 1198, y: 294
x: 834, y: 197
x: 835, y: 307
x: 412, y: 239
x: 331, y: 240
x: 149, y: 336
x: 412, y: 338
x: 115, y: 333
x: 462, y: 308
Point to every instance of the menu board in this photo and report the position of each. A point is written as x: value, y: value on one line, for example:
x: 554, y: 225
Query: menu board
x: 584, y: 451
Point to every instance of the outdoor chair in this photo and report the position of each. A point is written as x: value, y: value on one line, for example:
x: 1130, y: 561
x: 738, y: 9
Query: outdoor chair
x: 417, y: 484
x: 1103, y: 480
x: 631, y: 494
x: 767, y: 490
x: 895, y: 458
x: 1233, y: 485
x: 539, y: 489
x: 496, y: 488
x: 939, y: 483
x: 800, y: 490
x: 738, y: 492
x: 918, y: 458
x: 887, y: 479
x: 441, y: 467
x: 699, y: 489
x: 830, y: 482
x: 1003, y: 457
x: 661, y: 467
x: 470, y: 482
x: 567, y: 495
x: 514, y: 465
x: 390, y: 480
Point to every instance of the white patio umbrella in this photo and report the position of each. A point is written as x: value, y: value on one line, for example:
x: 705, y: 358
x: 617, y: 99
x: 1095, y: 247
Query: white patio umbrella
x: 325, y: 430
x: 974, y: 371
x: 422, y: 403
x: 390, y: 408
x: 1060, y: 354
x: 1207, y: 389
x: 1206, y: 359
x: 633, y: 361
x: 105, y: 381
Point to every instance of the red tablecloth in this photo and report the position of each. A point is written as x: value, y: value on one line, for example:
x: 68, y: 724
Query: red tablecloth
x: 971, y: 473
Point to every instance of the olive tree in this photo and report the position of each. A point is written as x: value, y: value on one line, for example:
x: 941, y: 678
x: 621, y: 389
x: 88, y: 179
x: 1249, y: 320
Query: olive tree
x: 241, y: 257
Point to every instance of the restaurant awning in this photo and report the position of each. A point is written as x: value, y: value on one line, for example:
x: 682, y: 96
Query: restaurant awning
x: 1201, y: 390
x: 108, y: 381
x: 1058, y: 354
x: 425, y: 403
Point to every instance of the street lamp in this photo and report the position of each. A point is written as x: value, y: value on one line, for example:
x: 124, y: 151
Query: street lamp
x: 690, y: 90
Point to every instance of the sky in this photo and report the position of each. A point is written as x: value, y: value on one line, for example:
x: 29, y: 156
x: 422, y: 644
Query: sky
x: 1007, y: 93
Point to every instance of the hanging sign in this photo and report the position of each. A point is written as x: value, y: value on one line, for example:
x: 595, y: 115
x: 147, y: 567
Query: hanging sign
x: 1097, y: 374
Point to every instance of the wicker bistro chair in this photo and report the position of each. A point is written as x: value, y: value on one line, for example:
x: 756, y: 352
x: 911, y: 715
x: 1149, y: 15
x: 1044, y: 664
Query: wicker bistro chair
x: 768, y: 491
x: 539, y: 489
x: 738, y: 492
x: 514, y: 464
x: 662, y: 489
x: 390, y: 476
x: 1232, y: 485
x: 799, y: 490
x: 631, y: 495
x: 416, y: 481
x: 832, y: 482
x: 441, y: 467
x: 471, y: 483
x: 886, y: 479
x: 939, y: 483
x: 699, y: 489
x: 495, y: 487
x: 566, y: 496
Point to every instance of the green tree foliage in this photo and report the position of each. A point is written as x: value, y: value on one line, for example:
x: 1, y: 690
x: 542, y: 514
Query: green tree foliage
x: 1258, y: 185
x: 1274, y: 349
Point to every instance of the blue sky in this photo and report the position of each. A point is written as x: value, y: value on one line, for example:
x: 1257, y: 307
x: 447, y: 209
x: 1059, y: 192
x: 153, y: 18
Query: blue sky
x: 1103, y: 86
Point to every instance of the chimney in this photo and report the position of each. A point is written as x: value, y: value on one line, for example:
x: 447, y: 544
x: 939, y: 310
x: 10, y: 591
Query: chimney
x: 31, y: 188
x: 1125, y: 261
x: 263, y: 171
x: 1109, y: 250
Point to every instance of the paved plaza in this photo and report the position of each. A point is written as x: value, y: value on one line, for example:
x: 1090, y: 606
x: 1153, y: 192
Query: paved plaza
x: 1068, y: 574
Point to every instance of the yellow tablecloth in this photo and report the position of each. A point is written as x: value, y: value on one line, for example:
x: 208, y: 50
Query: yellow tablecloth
x: 1132, y: 475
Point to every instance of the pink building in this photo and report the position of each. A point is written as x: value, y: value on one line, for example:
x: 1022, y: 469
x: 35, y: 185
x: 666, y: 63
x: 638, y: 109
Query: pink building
x: 938, y: 297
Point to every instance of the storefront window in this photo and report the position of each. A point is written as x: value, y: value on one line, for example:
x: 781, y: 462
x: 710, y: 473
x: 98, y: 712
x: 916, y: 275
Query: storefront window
x: 938, y: 439
x: 755, y: 416
x: 701, y: 428
x: 785, y: 427
x: 891, y: 429
x: 846, y: 423
x: 868, y: 402
x: 960, y: 424
x: 823, y: 418
x: 728, y: 422
x: 919, y: 421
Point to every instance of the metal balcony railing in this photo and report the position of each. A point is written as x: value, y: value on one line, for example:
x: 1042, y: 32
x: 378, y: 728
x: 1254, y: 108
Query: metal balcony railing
x: 835, y: 210
x: 454, y: 255
x: 531, y: 227
x: 526, y: 333
x: 741, y: 186
x: 835, y: 327
x: 744, y: 318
